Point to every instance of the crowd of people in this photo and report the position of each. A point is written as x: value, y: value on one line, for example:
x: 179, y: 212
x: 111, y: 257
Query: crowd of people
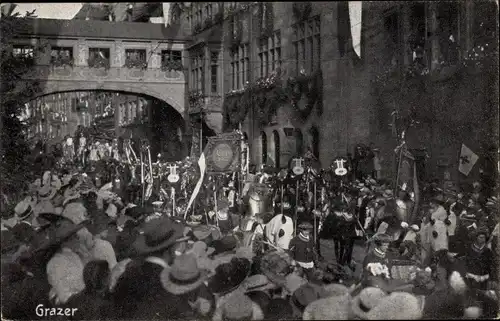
x: 79, y: 242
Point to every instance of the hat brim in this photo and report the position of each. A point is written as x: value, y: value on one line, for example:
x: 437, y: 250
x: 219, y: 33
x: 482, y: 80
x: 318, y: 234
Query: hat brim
x: 61, y: 235
x: 50, y: 196
x: 141, y: 248
x: 178, y: 289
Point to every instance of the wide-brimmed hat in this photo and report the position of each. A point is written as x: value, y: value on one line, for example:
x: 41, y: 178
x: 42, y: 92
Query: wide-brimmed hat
x: 229, y: 276
x: 226, y: 244
x: 183, y: 276
x: 257, y: 282
x: 159, y: 234
x: 366, y: 300
x: 46, y: 192
x: 397, y: 306
x: 55, y: 234
x: 305, y: 295
x: 276, y: 265
x: 24, y: 208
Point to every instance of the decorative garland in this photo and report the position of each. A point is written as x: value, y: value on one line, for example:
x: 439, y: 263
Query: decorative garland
x: 135, y: 63
x: 311, y: 88
x: 196, y: 99
x: 172, y: 65
x: 301, y: 10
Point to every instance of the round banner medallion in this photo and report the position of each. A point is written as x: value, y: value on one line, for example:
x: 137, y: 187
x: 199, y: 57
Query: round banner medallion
x: 222, y: 156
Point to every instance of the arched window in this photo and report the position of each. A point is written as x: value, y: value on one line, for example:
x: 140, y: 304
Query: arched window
x: 263, y: 147
x: 314, y: 141
x: 299, y: 142
x: 276, y: 138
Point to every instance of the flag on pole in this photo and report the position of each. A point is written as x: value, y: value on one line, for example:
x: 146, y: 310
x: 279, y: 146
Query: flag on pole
x: 202, y: 164
x: 467, y: 160
x: 355, y: 10
x: 166, y: 12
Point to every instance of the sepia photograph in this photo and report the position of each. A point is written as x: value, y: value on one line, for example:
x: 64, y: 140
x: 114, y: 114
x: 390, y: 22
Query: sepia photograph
x: 230, y: 161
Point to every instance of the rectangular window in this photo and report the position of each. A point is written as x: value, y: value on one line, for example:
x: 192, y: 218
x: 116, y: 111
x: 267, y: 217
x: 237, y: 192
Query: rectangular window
x: 23, y: 51
x: 269, y: 54
x: 98, y: 57
x: 307, y: 44
x: 61, y: 56
x: 135, y: 58
x: 171, y: 59
x: 197, y: 71
x: 240, y: 66
x: 214, y: 67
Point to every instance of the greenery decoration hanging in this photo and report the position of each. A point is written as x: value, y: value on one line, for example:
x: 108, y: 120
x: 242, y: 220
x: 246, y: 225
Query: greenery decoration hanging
x: 196, y: 99
x: 197, y: 28
x: 309, y: 87
x: 168, y: 65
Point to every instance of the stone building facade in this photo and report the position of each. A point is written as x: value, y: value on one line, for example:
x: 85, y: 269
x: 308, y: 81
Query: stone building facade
x: 236, y: 45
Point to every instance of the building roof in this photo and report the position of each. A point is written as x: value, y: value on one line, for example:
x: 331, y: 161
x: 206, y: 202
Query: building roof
x: 99, y: 29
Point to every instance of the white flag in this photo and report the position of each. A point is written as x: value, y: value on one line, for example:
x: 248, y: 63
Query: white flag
x: 355, y: 9
x: 203, y: 166
x: 166, y: 12
x: 467, y: 160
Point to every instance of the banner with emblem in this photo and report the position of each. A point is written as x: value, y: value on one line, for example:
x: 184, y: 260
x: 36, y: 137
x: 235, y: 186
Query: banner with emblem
x: 467, y: 160
x: 406, y: 179
x: 224, y: 153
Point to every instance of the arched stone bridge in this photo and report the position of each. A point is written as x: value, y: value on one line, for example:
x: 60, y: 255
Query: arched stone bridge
x: 81, y: 36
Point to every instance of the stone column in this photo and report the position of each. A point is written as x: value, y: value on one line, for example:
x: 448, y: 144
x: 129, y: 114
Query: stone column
x: 117, y: 55
x: 82, y: 53
x: 155, y: 62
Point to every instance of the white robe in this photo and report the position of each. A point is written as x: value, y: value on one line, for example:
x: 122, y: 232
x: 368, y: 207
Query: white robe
x: 273, y: 228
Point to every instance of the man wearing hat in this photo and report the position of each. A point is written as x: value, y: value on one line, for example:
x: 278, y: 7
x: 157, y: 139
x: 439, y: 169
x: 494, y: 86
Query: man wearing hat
x: 185, y: 280
x: 302, y: 249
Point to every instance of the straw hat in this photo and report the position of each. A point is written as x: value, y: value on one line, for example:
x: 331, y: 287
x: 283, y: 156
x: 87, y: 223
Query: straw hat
x: 24, y: 208
x: 183, y: 276
x: 46, y: 192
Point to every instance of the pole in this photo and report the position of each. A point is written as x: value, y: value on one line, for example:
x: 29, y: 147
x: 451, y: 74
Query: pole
x: 201, y: 134
x: 173, y: 202
x: 314, y: 215
x: 142, y: 180
x: 215, y: 202
x: 282, y: 202
x: 296, y: 206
